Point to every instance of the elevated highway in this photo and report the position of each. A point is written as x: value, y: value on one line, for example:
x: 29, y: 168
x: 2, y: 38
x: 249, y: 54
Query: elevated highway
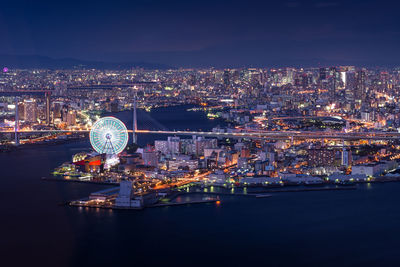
x: 271, y: 135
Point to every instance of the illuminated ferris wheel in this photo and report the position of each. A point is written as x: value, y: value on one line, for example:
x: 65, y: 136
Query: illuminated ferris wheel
x: 109, y: 135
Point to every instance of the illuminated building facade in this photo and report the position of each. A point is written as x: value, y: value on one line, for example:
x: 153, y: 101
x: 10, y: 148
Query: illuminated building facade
x: 30, y: 111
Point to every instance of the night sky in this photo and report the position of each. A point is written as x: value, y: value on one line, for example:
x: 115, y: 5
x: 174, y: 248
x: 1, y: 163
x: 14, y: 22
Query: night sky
x: 206, y: 33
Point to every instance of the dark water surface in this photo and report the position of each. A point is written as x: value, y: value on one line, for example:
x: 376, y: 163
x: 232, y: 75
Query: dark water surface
x: 334, y: 228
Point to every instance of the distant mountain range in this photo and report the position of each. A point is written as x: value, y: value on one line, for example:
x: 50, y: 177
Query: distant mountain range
x: 216, y: 57
x: 36, y: 61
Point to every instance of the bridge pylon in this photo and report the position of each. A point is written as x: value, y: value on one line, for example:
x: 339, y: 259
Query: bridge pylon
x: 16, y: 124
x: 134, y: 128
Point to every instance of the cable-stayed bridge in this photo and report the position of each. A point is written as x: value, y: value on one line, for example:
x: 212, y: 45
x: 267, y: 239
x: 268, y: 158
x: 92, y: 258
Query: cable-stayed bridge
x: 267, y: 135
x: 271, y: 135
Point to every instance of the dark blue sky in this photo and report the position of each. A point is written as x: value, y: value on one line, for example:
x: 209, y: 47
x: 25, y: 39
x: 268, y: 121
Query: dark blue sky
x: 201, y: 33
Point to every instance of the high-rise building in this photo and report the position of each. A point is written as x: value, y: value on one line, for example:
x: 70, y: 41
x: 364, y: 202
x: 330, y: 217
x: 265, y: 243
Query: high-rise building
x: 351, y: 84
x: 359, y: 92
x: 174, y: 145
x: 323, y: 73
x: 305, y: 81
x: 57, y: 111
x: 30, y: 111
x: 71, y: 118
x: 226, y: 78
x: 219, y: 77
x: 161, y: 146
x: 150, y: 157
x: 192, y: 80
x: 171, y: 146
x: 200, y: 143
x: 346, y: 157
x: 21, y: 111
x: 333, y: 83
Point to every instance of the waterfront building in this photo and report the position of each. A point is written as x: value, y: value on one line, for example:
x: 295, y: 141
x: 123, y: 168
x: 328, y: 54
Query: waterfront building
x: 260, y: 180
x: 337, y: 177
x: 374, y: 169
x: 89, y: 163
x: 302, y: 179
x: 125, y: 194
x: 218, y: 177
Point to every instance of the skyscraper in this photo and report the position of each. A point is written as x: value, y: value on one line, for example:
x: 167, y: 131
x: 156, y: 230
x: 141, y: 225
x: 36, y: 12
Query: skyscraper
x: 30, y: 111
x: 226, y: 78
x: 350, y: 85
x: 322, y: 74
x: 359, y: 90
x: 71, y: 118
x: 333, y: 83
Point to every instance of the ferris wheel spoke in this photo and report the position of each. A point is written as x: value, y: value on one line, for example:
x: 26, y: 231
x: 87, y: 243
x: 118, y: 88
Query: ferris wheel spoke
x: 109, y: 135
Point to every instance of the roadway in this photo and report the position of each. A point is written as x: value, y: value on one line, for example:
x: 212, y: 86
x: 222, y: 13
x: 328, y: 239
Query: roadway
x: 273, y: 135
x: 286, y: 135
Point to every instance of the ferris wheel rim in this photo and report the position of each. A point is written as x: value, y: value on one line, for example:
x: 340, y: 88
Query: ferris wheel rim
x: 109, y: 135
